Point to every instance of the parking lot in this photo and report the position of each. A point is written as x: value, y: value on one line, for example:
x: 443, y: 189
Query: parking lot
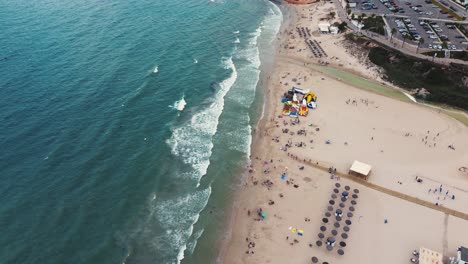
x: 433, y: 33
x: 413, y: 19
x: 410, y: 8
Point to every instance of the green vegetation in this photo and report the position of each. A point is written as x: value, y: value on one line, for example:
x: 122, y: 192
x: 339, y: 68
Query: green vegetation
x: 374, y: 24
x: 462, y: 29
x: 457, y: 115
x: 448, y: 10
x: 359, y: 82
x: 341, y: 26
x: 459, y: 55
x: 356, y: 38
x: 446, y: 84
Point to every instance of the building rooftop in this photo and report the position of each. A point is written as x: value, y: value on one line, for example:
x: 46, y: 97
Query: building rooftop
x: 464, y: 253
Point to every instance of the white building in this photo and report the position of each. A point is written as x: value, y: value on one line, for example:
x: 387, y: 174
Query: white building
x: 462, y: 256
x: 324, y: 27
x: 334, y: 30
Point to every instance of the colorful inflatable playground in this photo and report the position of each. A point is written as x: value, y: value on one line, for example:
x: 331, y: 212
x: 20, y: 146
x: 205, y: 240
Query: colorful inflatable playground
x: 294, y: 105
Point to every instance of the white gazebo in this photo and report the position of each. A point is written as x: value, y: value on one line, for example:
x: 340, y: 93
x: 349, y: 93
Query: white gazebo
x: 324, y: 28
x: 360, y: 169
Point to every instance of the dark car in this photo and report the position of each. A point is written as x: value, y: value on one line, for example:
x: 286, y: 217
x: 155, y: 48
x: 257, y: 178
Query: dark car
x: 418, y: 5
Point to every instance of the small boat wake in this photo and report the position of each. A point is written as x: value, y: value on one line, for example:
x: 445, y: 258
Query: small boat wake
x: 236, y: 32
x: 237, y: 40
x: 195, y: 61
x: 156, y: 69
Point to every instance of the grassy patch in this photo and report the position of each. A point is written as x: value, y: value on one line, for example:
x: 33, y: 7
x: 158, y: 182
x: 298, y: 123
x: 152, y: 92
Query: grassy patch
x: 458, y: 116
x: 362, y: 83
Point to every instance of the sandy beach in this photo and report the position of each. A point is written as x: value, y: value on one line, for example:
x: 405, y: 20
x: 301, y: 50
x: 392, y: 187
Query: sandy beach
x: 415, y: 151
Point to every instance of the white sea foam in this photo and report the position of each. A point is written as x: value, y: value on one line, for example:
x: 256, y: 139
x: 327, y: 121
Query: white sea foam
x: 195, y: 61
x: 244, y: 92
x: 237, y: 41
x: 193, y: 241
x: 192, y: 142
x: 178, y: 217
x: 236, y: 32
x: 179, y: 104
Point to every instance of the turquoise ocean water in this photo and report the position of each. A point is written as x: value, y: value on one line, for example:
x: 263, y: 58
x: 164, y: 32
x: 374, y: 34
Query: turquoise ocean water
x: 105, y: 159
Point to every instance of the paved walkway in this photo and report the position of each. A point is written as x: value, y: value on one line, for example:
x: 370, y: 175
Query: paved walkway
x: 382, y: 189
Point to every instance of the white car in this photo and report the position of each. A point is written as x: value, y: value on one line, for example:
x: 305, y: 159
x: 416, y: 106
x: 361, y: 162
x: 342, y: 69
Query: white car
x: 429, y: 32
x: 430, y: 46
x: 432, y: 36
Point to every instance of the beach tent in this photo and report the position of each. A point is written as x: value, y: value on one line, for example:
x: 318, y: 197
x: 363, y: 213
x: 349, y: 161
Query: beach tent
x: 360, y: 169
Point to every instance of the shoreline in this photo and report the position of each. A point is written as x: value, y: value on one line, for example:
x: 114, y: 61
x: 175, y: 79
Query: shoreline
x: 289, y: 17
x: 265, y: 236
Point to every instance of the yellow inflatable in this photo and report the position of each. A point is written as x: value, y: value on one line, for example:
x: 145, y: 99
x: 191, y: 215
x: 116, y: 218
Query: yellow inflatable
x: 310, y: 97
x: 303, y: 110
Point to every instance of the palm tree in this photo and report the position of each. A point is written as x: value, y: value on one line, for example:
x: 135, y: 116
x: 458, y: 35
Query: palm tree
x: 405, y: 37
x: 444, y: 45
x: 392, y: 33
x: 420, y: 42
